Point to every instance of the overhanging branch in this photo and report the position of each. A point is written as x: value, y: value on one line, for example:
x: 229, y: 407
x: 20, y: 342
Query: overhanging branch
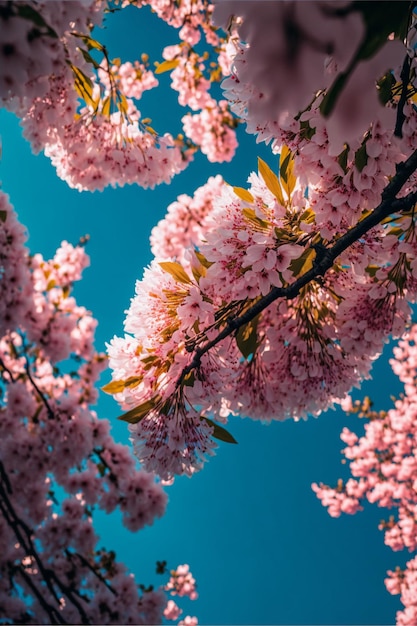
x: 389, y: 204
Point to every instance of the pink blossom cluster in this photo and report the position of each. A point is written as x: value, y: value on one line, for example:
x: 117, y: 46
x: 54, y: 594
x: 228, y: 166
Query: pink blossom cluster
x: 184, y: 222
x: 212, y: 129
x: 404, y: 583
x: 384, y: 469
x: 51, y: 570
x: 289, y: 52
x: 15, y: 289
x: 132, y: 79
x: 103, y: 143
x: 102, y: 140
x: 191, y: 17
x: 92, y: 154
x: 181, y: 583
x: 35, y: 42
x: 187, y: 78
x: 297, y: 357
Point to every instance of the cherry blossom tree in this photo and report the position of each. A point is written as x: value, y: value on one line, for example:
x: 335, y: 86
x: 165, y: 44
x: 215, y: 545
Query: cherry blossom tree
x: 58, y: 461
x: 270, y: 301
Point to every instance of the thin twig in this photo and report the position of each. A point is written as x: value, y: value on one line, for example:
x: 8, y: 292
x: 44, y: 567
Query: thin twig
x: 51, y: 611
x: 38, y: 391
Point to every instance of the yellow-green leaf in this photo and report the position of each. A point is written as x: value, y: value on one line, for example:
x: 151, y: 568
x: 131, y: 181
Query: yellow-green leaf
x: 308, y: 216
x: 304, y: 263
x: 286, y: 167
x: 176, y: 270
x: 202, y: 259
x: 83, y: 84
x: 284, y: 162
x: 189, y: 379
x: 3, y: 216
x: 219, y: 432
x: 243, y: 194
x: 105, y: 109
x: 133, y: 381
x: 252, y: 217
x: 166, y: 66
x: 247, y: 338
x: 271, y: 180
x: 139, y: 412
x: 115, y: 386
x: 91, y: 43
x: 198, y: 272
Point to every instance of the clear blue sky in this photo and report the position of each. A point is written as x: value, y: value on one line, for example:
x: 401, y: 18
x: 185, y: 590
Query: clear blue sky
x: 261, y: 546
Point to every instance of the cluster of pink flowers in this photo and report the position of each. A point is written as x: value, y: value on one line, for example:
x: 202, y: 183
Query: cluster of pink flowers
x: 213, y: 128
x: 384, y: 469
x: 191, y: 17
x: 300, y: 355
x: 50, y: 566
x: 105, y: 142
x: 184, y: 223
x: 181, y: 583
x: 132, y: 79
x: 213, y: 132
x: 289, y: 52
x: 404, y: 583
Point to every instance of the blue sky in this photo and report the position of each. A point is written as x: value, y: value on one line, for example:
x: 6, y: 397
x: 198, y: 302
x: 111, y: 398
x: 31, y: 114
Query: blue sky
x: 261, y: 546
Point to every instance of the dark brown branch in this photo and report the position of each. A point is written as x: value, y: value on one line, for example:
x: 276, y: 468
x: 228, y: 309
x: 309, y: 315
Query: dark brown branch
x: 389, y: 204
x: 87, y: 564
x: 39, y: 392
x: 6, y: 369
x: 51, y: 611
x: 24, y: 536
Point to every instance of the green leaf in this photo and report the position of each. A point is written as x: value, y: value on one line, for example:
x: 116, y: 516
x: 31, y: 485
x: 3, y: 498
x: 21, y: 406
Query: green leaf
x: 271, y: 181
x: 219, y: 432
x: 343, y: 158
x: 384, y: 86
x: 284, y: 161
x: 134, y: 416
x: 3, y: 216
x: 189, y: 379
x: 247, y: 338
x: 166, y: 66
x: 381, y: 19
x: 29, y: 13
x: 306, y: 131
x: 361, y: 157
x: 304, y: 263
x: 176, y: 270
x: 87, y: 57
x: 89, y: 41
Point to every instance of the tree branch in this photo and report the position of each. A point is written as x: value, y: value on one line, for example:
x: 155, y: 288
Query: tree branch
x: 389, y: 204
x: 24, y: 536
x: 38, y: 391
